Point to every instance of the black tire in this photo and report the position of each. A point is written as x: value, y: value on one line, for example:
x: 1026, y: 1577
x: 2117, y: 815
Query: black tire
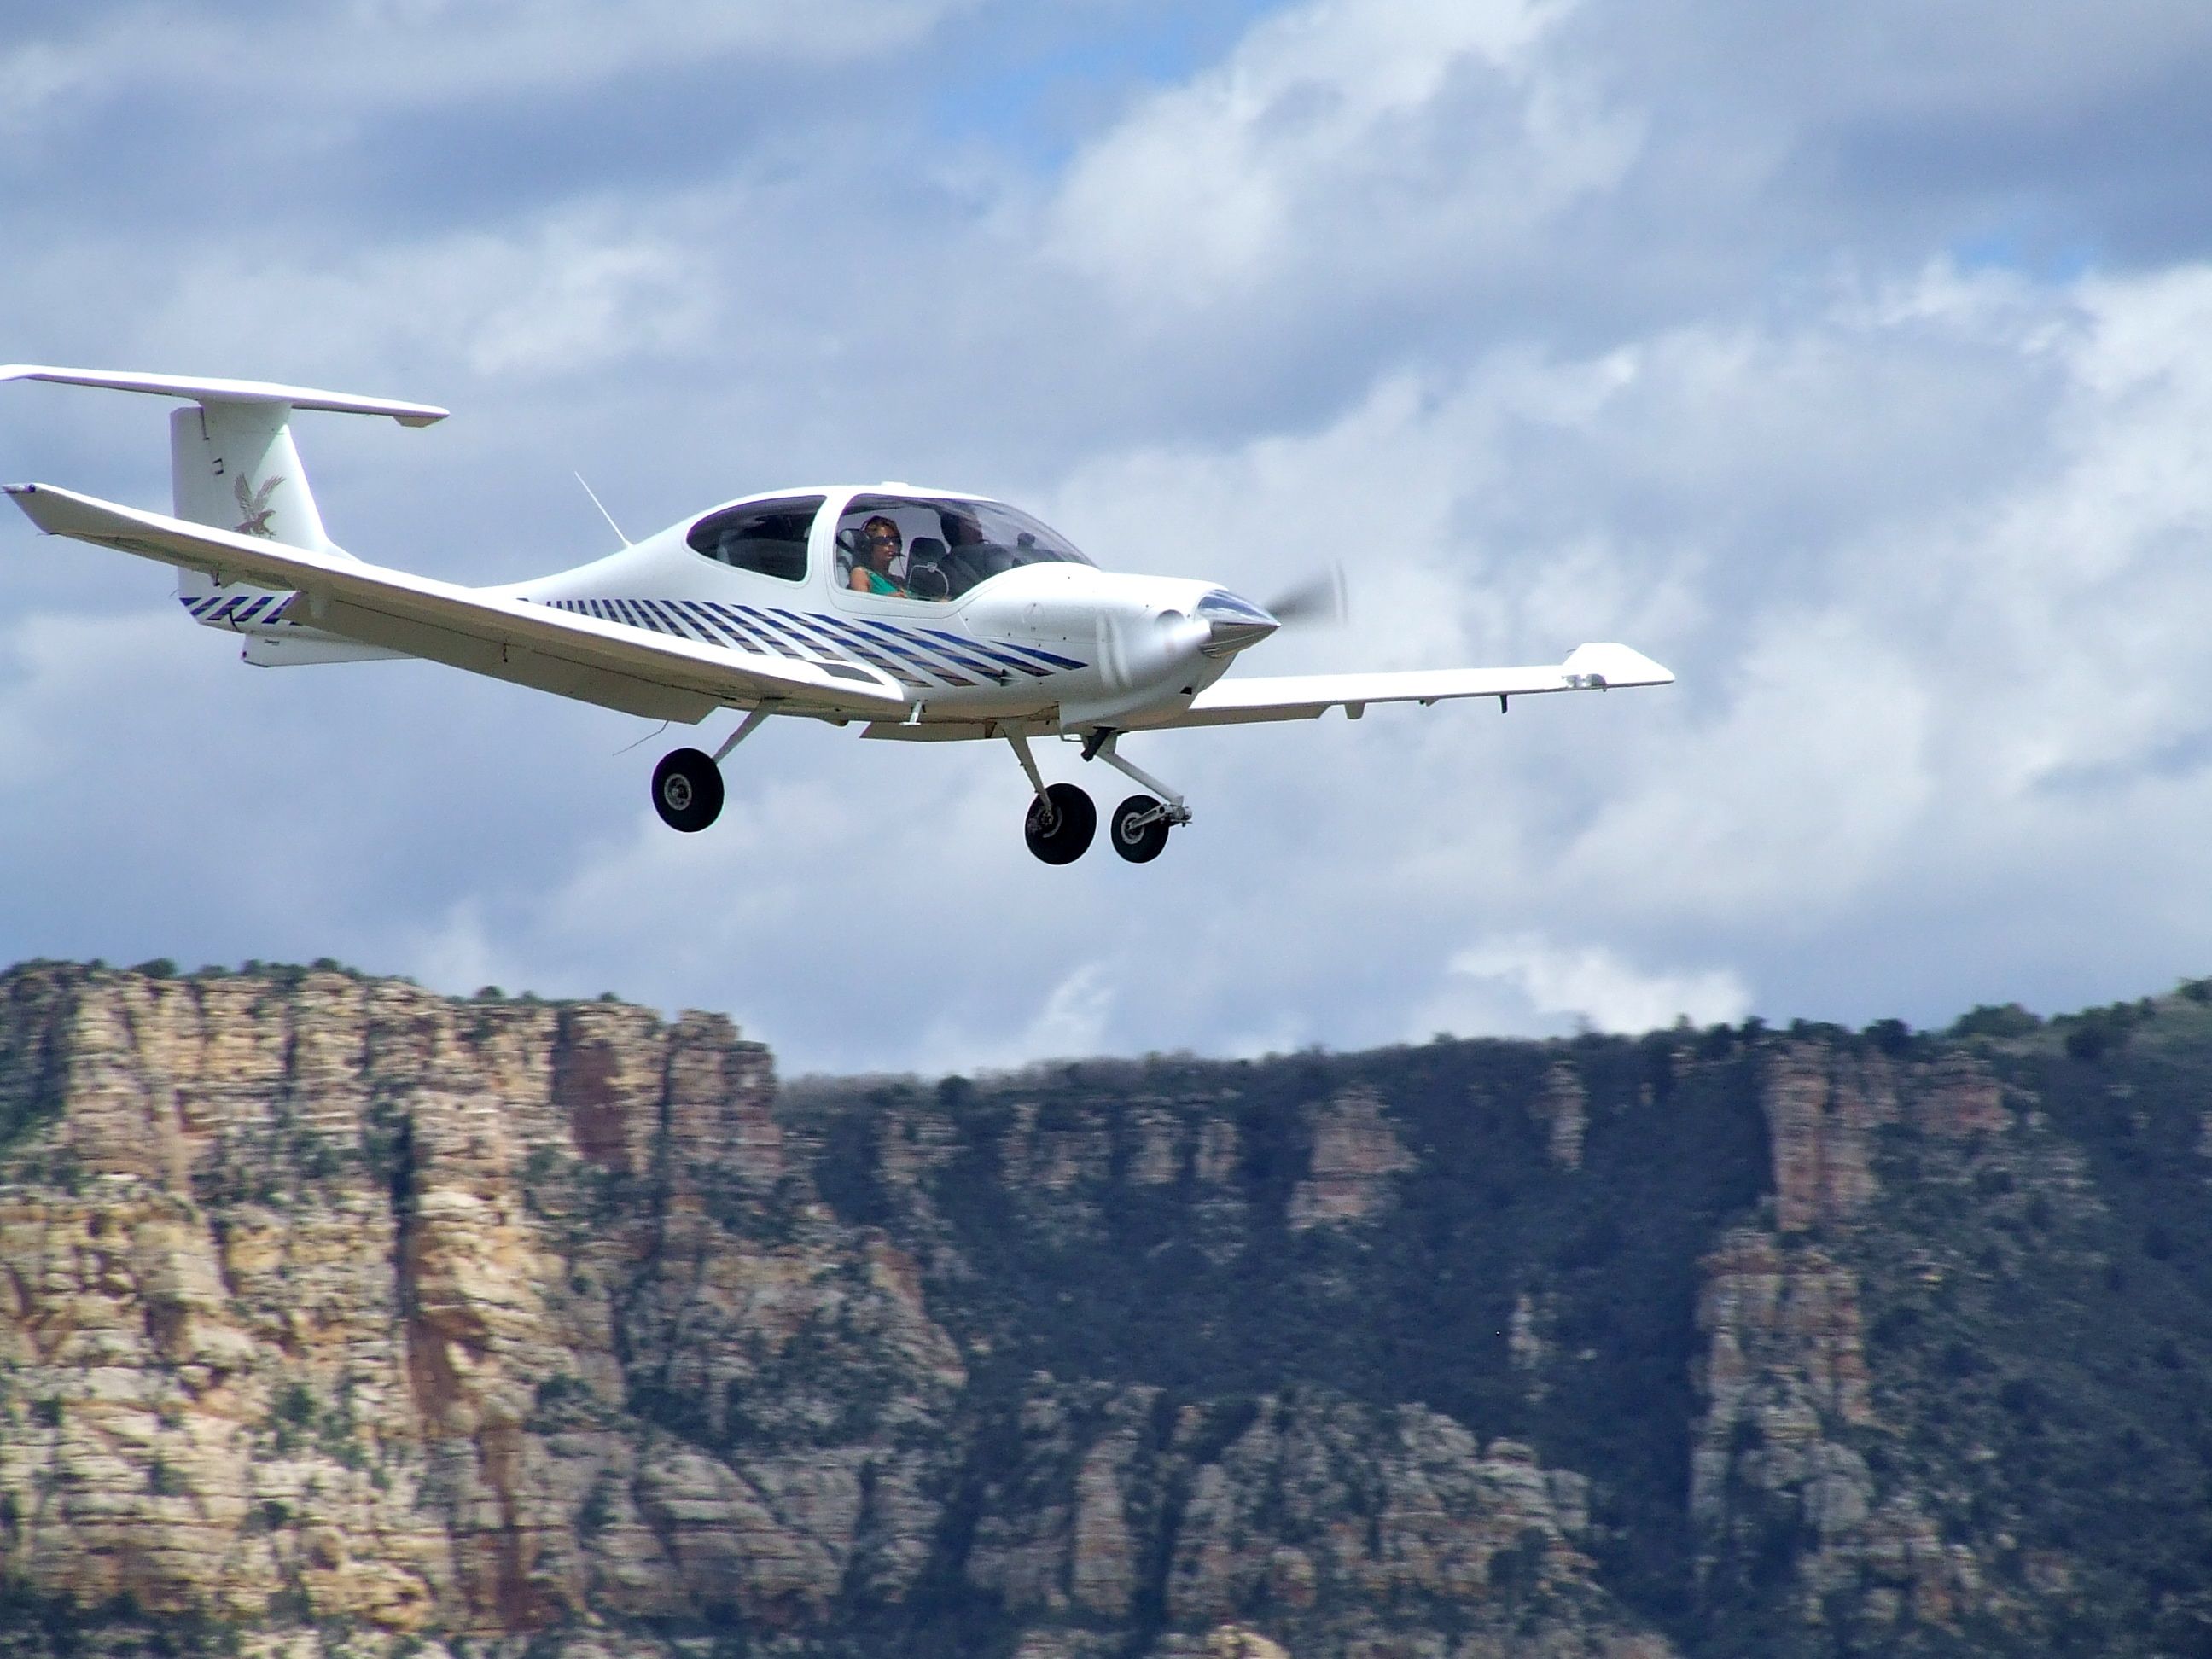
x: 1139, y: 843
x: 1060, y: 827
x: 687, y: 790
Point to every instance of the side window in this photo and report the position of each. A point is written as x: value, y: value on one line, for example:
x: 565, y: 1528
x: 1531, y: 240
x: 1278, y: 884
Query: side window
x: 766, y: 537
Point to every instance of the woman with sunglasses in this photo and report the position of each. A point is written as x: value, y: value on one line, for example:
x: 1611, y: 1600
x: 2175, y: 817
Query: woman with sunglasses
x: 880, y: 544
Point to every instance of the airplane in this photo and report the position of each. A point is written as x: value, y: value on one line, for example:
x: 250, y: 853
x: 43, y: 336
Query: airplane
x: 923, y: 615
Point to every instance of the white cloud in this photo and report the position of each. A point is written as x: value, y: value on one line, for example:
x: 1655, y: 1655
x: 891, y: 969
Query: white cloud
x: 1074, y: 1018
x: 1526, y: 983
x: 1538, y: 321
x: 576, y: 289
x: 341, y: 60
x: 1341, y: 141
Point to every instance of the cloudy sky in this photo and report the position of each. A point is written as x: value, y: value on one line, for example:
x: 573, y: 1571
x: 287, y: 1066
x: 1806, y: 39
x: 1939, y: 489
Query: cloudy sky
x: 1855, y: 362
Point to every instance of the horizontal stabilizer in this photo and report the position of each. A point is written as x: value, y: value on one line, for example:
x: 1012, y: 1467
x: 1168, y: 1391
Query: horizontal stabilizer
x: 660, y: 675
x: 228, y: 392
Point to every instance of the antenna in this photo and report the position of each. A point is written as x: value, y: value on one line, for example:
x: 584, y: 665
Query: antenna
x: 604, y: 513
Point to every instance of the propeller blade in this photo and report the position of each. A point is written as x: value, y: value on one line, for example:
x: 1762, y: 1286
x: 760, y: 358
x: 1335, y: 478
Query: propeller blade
x: 1318, y: 598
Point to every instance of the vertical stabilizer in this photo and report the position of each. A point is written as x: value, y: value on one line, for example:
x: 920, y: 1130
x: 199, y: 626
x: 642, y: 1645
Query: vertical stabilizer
x: 235, y: 466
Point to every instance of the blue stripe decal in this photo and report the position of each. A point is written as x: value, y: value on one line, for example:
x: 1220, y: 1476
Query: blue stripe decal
x: 661, y: 619
x: 701, y: 620
x: 1001, y: 652
x: 918, y: 643
x: 822, y: 638
x: 740, y: 617
x: 1055, y: 660
x: 990, y: 648
x: 709, y: 618
x: 895, y: 640
x: 876, y: 657
x: 952, y: 651
x: 776, y: 626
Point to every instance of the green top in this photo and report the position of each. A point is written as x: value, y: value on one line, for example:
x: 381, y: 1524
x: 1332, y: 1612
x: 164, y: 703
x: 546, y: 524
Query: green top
x: 879, y: 583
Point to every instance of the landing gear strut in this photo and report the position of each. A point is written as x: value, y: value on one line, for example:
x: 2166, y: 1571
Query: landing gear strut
x: 1139, y: 825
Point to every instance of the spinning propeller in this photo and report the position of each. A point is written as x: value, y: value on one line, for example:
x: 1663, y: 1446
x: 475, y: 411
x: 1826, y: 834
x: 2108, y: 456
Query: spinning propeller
x: 1318, y: 598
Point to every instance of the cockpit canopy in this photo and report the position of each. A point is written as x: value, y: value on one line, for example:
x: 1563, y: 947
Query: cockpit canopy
x: 932, y: 549
x: 913, y: 547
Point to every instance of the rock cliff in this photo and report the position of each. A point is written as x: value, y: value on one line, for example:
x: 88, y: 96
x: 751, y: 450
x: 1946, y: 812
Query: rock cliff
x: 332, y: 1305
x: 338, y: 1317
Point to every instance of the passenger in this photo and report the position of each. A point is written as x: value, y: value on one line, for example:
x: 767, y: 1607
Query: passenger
x: 880, y: 544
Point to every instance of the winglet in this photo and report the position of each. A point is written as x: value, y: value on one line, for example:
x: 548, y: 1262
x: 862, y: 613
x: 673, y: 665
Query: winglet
x: 230, y: 391
x: 1602, y: 665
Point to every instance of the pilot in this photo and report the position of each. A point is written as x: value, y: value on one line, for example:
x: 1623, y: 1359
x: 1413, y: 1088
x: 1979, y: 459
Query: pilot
x: 880, y: 544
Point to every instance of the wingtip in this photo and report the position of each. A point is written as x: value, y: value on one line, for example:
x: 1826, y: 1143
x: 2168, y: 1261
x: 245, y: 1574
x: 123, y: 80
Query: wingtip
x: 1612, y: 663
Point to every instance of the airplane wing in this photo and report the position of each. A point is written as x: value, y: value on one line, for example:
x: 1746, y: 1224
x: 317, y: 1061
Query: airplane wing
x: 1307, y: 697
x: 659, y: 676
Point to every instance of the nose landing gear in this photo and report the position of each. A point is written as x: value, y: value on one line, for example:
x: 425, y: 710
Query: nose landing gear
x: 1139, y: 828
x: 1062, y: 820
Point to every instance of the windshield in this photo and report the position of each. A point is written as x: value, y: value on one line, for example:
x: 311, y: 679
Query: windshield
x: 905, y: 547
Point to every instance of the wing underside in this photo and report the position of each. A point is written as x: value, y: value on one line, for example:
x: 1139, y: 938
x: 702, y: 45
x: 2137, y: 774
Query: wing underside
x: 1309, y: 697
x: 658, y: 676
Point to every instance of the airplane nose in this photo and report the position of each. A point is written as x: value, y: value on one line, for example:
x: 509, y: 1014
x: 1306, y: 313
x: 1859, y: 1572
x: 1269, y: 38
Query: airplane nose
x: 1231, y: 623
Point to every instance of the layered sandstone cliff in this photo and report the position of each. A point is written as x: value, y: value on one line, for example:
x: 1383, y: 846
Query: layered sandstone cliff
x: 332, y: 1305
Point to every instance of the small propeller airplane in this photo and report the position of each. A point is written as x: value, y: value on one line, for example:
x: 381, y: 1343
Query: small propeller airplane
x: 924, y: 615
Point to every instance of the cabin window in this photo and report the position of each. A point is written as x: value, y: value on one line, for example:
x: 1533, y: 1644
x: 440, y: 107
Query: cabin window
x: 900, y: 547
x: 766, y: 536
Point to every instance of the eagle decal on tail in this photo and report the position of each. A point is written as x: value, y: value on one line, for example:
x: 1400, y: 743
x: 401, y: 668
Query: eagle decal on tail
x: 254, y: 503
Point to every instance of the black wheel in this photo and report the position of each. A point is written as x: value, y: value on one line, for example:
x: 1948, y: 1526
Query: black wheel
x: 1140, y: 830
x: 687, y: 790
x: 1060, y: 827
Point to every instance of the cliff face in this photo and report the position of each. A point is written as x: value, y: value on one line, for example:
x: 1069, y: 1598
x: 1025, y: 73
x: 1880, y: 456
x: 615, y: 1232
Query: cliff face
x: 330, y: 1304
x: 331, y: 1300
x: 337, y: 1316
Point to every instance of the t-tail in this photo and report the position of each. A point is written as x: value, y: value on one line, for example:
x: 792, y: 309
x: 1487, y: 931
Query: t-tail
x: 233, y: 465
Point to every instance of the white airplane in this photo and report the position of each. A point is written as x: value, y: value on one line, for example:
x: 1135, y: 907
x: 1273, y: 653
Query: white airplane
x: 925, y: 615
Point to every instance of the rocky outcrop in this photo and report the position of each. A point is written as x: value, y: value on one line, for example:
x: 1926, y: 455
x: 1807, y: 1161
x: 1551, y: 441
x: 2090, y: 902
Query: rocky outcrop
x: 1355, y: 1152
x: 1337, y: 1526
x: 1562, y: 1106
x: 1824, y: 1106
x: 1780, y: 1460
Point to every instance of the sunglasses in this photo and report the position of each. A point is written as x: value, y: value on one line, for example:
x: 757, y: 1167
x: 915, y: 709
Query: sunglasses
x: 882, y: 541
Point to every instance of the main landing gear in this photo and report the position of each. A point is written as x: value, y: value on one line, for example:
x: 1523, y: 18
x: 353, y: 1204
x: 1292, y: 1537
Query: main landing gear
x: 687, y: 790
x: 1062, y: 821
x: 687, y: 785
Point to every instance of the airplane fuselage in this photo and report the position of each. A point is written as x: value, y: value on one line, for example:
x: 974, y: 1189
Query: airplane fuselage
x: 1048, y: 644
